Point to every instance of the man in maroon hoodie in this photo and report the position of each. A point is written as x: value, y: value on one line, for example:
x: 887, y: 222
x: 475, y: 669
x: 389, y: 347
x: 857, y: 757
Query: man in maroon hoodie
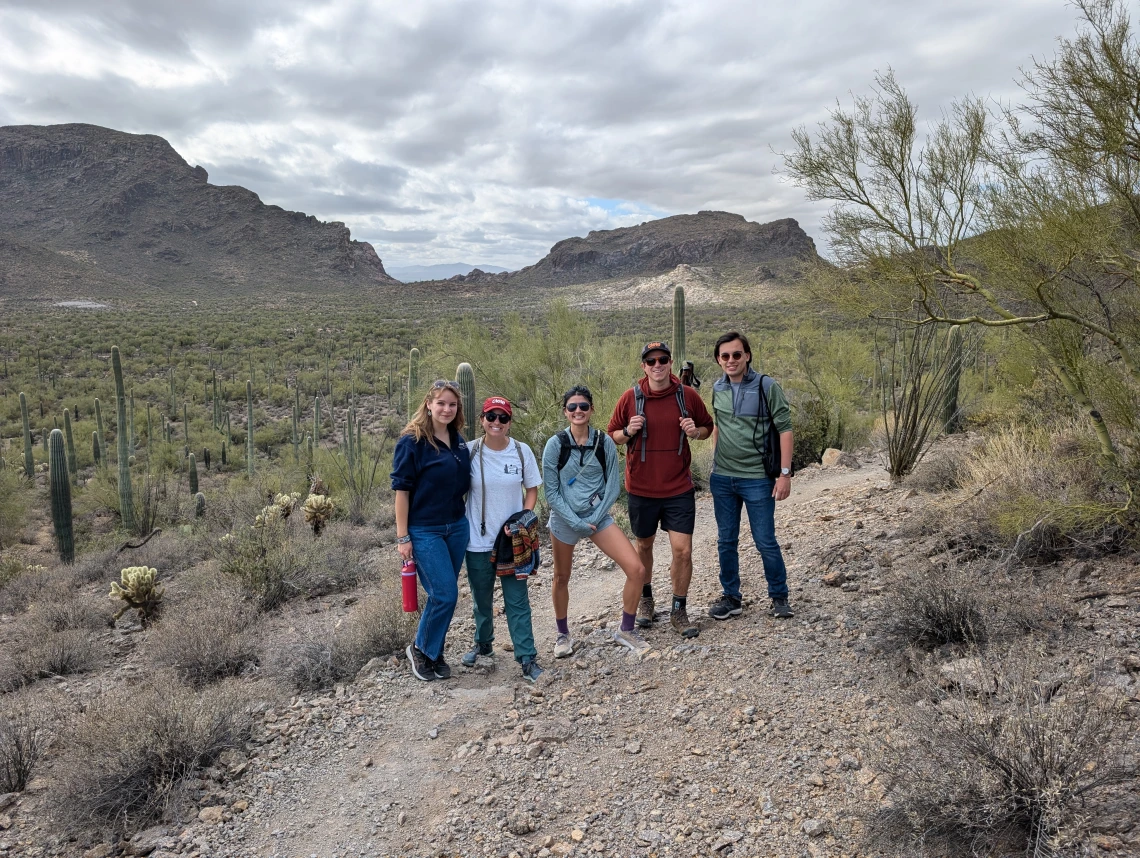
x: 657, y: 474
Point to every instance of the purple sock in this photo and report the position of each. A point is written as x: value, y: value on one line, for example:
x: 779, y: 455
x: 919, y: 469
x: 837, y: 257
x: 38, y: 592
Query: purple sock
x: 627, y: 621
x: 563, y: 626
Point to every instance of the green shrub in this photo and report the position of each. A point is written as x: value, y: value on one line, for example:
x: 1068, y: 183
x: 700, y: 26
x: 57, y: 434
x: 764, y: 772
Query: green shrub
x: 15, y: 499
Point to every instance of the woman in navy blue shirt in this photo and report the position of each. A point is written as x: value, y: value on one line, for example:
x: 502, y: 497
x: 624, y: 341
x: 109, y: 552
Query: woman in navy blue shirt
x: 431, y: 472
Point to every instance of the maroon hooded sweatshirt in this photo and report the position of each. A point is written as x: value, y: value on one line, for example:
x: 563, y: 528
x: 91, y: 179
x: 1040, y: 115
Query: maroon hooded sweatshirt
x: 664, y: 473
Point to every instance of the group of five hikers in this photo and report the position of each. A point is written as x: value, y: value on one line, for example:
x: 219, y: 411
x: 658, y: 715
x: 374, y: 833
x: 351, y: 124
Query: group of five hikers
x: 473, y: 503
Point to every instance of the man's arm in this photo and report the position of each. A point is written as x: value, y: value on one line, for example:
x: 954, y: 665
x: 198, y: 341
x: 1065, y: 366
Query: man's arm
x: 784, y: 483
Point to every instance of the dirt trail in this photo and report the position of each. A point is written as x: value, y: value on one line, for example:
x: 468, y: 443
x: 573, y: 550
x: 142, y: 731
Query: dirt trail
x: 384, y: 774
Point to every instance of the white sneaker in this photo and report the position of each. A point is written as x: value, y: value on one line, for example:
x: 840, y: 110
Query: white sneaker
x: 564, y: 646
x: 632, y: 640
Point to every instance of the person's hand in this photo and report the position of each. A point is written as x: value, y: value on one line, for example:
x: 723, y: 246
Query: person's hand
x: 783, y: 487
x: 405, y: 551
x: 690, y: 428
x: 636, y: 422
x: 507, y: 529
x: 593, y: 528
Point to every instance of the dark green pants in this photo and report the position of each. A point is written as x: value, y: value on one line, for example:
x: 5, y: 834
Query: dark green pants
x: 516, y: 603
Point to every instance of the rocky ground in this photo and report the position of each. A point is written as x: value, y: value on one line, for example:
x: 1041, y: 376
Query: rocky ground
x: 759, y: 737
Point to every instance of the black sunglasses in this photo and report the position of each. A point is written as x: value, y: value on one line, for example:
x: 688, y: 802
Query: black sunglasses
x: 453, y: 385
x: 575, y: 406
x: 492, y: 416
x: 733, y: 356
x: 655, y: 361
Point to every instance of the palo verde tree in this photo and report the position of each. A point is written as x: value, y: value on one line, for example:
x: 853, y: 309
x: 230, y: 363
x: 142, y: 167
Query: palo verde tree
x: 1026, y: 217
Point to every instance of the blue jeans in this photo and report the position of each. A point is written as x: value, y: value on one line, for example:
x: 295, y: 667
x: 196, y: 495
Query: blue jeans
x: 729, y: 494
x: 438, y: 550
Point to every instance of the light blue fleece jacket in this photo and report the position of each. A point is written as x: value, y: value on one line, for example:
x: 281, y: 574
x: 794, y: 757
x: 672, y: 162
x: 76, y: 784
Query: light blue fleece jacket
x: 570, y: 490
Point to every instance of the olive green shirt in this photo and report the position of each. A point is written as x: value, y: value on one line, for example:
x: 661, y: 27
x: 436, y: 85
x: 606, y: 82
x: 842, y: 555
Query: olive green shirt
x: 740, y: 438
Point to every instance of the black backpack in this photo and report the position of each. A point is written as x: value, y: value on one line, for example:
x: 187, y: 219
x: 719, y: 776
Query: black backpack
x: 566, y: 446
x: 771, y: 451
x: 639, y: 409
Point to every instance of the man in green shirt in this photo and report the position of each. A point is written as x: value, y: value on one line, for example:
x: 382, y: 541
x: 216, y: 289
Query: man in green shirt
x: 742, y: 402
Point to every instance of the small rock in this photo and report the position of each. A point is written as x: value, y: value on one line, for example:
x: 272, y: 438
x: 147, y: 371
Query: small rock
x: 633, y: 748
x: 727, y: 838
x: 834, y: 579
x: 103, y: 850
x: 577, y: 835
x: 816, y: 779
x: 534, y: 750
x: 814, y: 827
x: 211, y: 815
x: 367, y: 762
x: 433, y: 733
x: 240, y: 806
x: 401, y: 818
x: 968, y: 674
x: 520, y: 823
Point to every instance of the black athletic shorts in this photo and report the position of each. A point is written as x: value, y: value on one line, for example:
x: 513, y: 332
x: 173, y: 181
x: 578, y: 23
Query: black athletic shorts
x: 678, y: 514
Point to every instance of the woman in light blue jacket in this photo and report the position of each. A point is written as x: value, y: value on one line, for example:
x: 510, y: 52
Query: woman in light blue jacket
x: 582, y: 479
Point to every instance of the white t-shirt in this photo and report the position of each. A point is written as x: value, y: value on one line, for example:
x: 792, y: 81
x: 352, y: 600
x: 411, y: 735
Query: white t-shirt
x: 505, y: 486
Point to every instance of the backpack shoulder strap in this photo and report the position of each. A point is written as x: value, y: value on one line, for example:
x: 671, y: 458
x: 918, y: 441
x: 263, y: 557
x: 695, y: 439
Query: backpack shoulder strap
x: 681, y: 400
x: 600, y: 454
x: 564, y: 446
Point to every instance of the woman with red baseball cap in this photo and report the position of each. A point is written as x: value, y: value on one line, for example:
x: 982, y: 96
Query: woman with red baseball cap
x: 504, y: 481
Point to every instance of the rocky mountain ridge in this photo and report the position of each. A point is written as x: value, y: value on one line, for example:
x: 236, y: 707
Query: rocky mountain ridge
x: 126, y: 210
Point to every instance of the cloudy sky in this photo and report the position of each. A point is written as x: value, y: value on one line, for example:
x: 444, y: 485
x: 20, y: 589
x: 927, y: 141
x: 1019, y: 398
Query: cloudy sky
x: 485, y: 130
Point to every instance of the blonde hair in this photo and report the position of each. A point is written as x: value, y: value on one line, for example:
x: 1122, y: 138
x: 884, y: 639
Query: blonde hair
x: 420, y: 426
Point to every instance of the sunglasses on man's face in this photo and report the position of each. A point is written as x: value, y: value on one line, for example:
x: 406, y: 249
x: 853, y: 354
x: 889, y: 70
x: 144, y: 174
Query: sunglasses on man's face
x: 655, y: 361
x: 733, y: 356
x: 492, y: 416
x: 578, y: 406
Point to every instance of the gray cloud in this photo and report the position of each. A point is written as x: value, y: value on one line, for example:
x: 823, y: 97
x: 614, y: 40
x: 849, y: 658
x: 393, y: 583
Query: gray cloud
x: 448, y: 130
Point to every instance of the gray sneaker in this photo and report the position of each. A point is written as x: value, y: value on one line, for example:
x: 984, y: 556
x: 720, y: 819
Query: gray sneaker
x: 725, y: 607
x: 564, y: 646
x: 646, y: 612
x: 472, y: 655
x: 530, y: 670
x: 632, y: 640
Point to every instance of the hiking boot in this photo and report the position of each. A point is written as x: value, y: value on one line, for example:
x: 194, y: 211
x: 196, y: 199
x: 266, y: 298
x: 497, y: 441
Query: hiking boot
x: 646, y: 612
x: 681, y: 623
x: 441, y: 668
x: 530, y: 670
x: 472, y: 655
x: 421, y: 665
x: 725, y: 607
x: 564, y: 646
x: 781, y: 610
x: 632, y: 640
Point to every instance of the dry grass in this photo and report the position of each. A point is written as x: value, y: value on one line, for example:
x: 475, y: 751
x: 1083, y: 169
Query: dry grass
x: 1040, y: 493
x: 206, y: 638
x: 328, y: 654
x: 124, y: 761
x: 25, y: 735
x: 934, y: 607
x: 1015, y: 770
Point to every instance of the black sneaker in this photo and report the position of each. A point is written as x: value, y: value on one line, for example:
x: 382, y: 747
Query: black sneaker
x: 725, y: 607
x: 530, y: 670
x: 421, y: 665
x: 441, y: 668
x: 781, y: 610
x: 472, y: 655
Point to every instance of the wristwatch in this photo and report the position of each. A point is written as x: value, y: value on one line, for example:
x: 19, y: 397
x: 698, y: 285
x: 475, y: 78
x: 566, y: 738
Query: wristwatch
x: 785, y: 472
x: 403, y: 540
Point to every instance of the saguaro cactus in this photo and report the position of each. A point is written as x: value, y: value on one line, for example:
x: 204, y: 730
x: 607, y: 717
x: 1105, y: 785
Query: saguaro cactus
x: 72, y: 466
x: 29, y: 461
x: 249, y: 428
x: 413, y: 373
x: 678, y: 325
x: 296, y: 436
x: 60, y: 480
x: 951, y: 415
x: 99, y: 427
x: 193, y: 469
x: 126, y: 495
x: 97, y: 449
x: 465, y: 375
x: 317, y: 419
x: 199, y: 505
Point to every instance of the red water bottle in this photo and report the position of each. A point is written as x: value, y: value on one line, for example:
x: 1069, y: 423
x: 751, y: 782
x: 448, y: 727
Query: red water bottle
x: 409, y: 587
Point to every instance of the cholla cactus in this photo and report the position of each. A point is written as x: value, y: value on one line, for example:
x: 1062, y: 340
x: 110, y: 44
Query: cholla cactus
x: 287, y: 503
x: 138, y: 588
x: 318, y: 509
x: 269, y: 515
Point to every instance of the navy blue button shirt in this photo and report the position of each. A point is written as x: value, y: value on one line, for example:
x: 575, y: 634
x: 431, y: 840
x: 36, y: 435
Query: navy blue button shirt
x: 436, y: 480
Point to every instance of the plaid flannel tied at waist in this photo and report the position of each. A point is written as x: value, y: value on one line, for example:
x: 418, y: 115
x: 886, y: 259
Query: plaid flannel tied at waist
x: 516, y: 551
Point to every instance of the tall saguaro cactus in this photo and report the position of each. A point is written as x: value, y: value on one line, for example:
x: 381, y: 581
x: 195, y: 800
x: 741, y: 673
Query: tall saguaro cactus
x: 249, y: 428
x: 413, y: 373
x: 951, y: 414
x: 60, y: 481
x: 97, y: 449
x: 29, y: 461
x: 465, y: 375
x: 72, y: 465
x: 99, y: 427
x: 193, y: 473
x: 678, y: 325
x: 126, y: 495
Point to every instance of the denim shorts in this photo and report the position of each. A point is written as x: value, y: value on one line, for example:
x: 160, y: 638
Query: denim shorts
x: 565, y: 533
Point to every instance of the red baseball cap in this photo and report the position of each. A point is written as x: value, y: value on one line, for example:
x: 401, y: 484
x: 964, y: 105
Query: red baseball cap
x: 491, y: 403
